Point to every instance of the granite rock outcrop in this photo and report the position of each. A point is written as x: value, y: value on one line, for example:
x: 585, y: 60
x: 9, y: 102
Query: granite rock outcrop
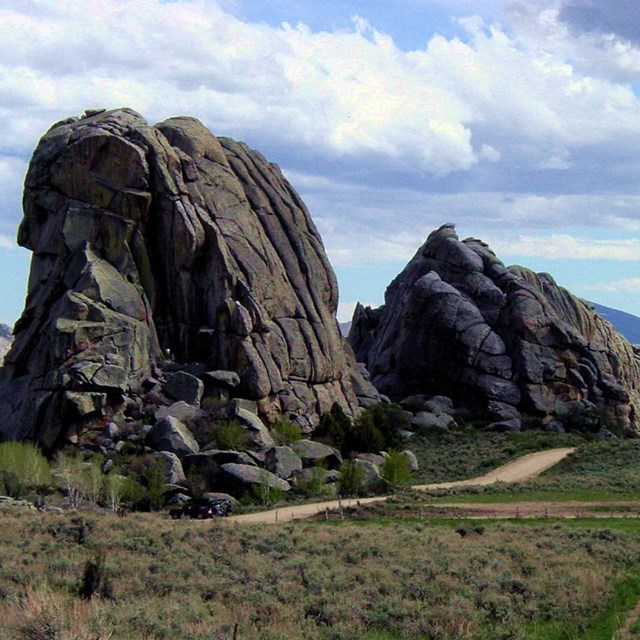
x: 166, y: 243
x: 499, y: 341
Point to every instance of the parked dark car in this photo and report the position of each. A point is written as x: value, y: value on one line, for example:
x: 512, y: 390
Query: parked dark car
x: 202, y: 508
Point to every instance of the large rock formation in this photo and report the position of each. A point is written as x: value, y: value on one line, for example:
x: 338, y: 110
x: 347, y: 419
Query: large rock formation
x: 152, y: 240
x: 499, y: 341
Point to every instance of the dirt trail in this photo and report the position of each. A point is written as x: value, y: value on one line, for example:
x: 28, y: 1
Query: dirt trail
x: 523, y: 468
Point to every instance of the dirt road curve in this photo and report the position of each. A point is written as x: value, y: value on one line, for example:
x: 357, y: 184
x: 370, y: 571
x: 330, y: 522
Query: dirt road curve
x: 524, y: 468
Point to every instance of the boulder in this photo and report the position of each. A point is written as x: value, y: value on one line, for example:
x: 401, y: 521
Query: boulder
x: 172, y: 467
x: 282, y: 461
x: 228, y: 379
x: 411, y: 460
x: 181, y: 410
x: 217, y: 495
x: 183, y: 386
x: 169, y: 434
x: 428, y: 420
x: 372, y: 480
x: 374, y: 458
x: 219, y: 457
x: 329, y: 476
x: 258, y: 433
x: 240, y: 477
x: 313, y: 453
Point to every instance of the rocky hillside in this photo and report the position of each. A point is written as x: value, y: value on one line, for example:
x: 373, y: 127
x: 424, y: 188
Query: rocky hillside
x: 165, y: 243
x: 501, y: 342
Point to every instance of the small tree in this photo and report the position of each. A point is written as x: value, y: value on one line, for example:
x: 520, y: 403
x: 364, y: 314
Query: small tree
x: 334, y: 427
x: 352, y: 478
x: 114, y: 489
x: 23, y: 469
x: 71, y: 470
x: 395, y: 470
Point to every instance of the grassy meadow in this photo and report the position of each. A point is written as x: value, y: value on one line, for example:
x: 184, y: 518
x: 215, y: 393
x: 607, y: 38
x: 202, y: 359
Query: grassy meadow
x: 597, y: 470
x: 169, y: 579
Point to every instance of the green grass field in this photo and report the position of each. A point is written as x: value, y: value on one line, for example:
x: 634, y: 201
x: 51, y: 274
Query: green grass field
x: 599, y: 469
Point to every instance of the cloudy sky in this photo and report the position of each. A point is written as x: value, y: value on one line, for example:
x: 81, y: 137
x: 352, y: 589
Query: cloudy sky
x: 519, y: 120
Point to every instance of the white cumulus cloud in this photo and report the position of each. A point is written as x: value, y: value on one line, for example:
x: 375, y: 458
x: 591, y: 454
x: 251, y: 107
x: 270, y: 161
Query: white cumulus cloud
x: 624, y: 285
x: 568, y: 247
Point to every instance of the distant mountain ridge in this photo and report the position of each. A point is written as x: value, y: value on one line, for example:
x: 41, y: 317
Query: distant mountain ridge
x: 5, y: 340
x: 625, y: 323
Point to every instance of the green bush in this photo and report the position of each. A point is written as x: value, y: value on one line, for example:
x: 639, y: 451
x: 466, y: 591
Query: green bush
x: 375, y: 429
x: 230, y: 435
x: 284, y: 431
x: 23, y: 469
x: 202, y: 477
x: 334, y: 427
x: 590, y: 420
x: 352, y: 479
x: 262, y: 493
x: 95, y: 580
x: 388, y: 420
x: 144, y: 488
x: 315, y: 486
x: 395, y: 470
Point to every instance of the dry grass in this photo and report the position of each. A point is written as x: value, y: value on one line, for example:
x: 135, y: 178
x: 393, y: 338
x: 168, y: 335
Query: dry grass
x: 197, y: 580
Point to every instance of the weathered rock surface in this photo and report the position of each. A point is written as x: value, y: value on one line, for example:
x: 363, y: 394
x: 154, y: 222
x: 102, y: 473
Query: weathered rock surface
x: 153, y: 241
x: 313, y: 453
x: 498, y: 341
x: 185, y: 387
x: 172, y: 467
x: 169, y: 434
x: 257, y: 432
x: 283, y: 461
x: 240, y: 477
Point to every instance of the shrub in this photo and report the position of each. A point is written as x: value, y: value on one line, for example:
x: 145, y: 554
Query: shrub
x: 363, y: 436
x: 375, y: 429
x: 388, y: 420
x: 352, y: 479
x: 334, y: 426
x: 23, y: 468
x: 145, y: 485
x: 284, y: 431
x: 590, y: 420
x: 315, y: 486
x: 230, y: 435
x: 95, y: 580
x: 263, y: 494
x: 395, y: 470
x: 203, y: 476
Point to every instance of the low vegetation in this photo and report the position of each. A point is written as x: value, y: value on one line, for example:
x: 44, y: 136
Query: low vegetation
x: 457, y: 455
x: 163, y: 579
